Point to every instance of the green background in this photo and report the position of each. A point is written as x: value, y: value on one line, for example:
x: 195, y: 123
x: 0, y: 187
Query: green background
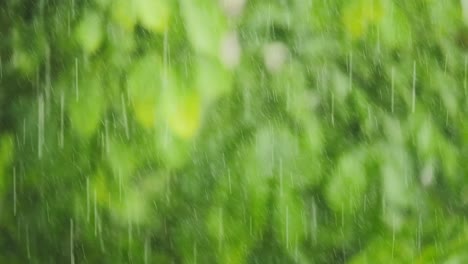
x: 258, y: 131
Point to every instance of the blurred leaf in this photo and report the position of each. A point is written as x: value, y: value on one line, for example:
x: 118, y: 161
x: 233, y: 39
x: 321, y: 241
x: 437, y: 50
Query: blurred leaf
x: 212, y: 79
x: 144, y: 86
x: 86, y: 111
x: 154, y: 15
x: 204, y: 24
x: 346, y: 189
x: 89, y: 32
x: 124, y: 13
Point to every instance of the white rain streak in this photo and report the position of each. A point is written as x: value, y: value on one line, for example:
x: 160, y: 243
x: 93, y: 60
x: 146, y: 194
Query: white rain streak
x: 229, y: 181
x: 130, y: 233
x: 413, y: 100
x: 120, y: 185
x: 47, y: 73
x: 106, y: 136
x: 72, y: 254
x: 125, y: 119
x: 378, y: 40
x: 314, y: 222
x: 165, y: 59
x: 419, y: 233
x: 393, y: 235
x: 40, y: 131
x: 88, y: 201
x: 464, y: 76
x: 95, y: 213
x: 392, y: 99
x: 351, y: 71
x: 62, y: 112
x: 48, y: 212
x: 195, y: 253
x: 333, y: 109
x: 77, y: 88
x: 73, y: 8
x: 14, y: 191
x: 221, y: 228
x: 287, y: 227
x: 28, y: 249
x: 68, y: 24
x: 146, y: 252
x: 24, y: 131
x: 281, y: 177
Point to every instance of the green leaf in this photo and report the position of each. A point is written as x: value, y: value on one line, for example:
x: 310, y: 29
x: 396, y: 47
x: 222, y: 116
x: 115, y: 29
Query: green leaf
x: 290, y: 222
x: 124, y: 13
x: 205, y: 25
x: 144, y: 88
x: 89, y: 32
x: 346, y: 189
x: 7, y: 151
x: 212, y: 79
x: 86, y: 111
x: 154, y: 15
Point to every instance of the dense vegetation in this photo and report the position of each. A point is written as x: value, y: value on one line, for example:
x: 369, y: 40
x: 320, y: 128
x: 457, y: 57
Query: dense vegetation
x: 233, y: 131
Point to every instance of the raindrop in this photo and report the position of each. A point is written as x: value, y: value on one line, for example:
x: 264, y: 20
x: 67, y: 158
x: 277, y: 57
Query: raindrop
x: 68, y: 24
x: 229, y: 181
x: 88, y: 200
x: 120, y: 185
x: 393, y: 235
x: 221, y: 227
x: 40, y: 131
x: 95, y: 213
x: 445, y: 65
x: 146, y: 251
x: 125, y: 120
x: 351, y: 71
x: 378, y: 40
x: 24, y: 131
x: 419, y: 233
x: 77, y: 89
x: 194, y: 253
x: 413, y: 101
x: 369, y: 115
x: 165, y: 59
x: 342, y: 216
x: 333, y: 109
x: 62, y: 111
x: 48, y: 212
x: 14, y: 191
x: 314, y: 222
x: 72, y: 254
x: 281, y: 176
x: 28, y: 249
x: 73, y: 8
x: 393, y: 89
x: 446, y: 117
x: 464, y: 78
x: 287, y: 227
x: 47, y: 72
x: 106, y: 136
x: 130, y: 233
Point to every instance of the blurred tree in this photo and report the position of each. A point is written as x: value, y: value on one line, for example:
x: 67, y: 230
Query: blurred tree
x: 233, y: 131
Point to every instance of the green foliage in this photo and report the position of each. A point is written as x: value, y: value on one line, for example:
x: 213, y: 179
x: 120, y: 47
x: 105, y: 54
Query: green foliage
x: 233, y: 131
